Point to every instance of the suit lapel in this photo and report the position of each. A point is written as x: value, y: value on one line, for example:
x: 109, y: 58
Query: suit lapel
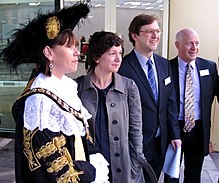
x: 201, y: 66
x: 175, y: 80
x: 161, y: 76
x: 159, y: 69
x: 133, y: 61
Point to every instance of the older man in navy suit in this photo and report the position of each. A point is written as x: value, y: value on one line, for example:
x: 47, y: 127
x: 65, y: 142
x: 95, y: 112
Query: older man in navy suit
x: 195, y: 134
x: 152, y: 74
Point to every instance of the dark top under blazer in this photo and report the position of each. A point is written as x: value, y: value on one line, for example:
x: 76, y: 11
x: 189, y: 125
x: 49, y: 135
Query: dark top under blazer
x: 165, y: 113
x: 208, y: 89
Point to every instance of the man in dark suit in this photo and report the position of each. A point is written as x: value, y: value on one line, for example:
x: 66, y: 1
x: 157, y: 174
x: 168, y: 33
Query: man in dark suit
x: 152, y: 74
x: 195, y: 140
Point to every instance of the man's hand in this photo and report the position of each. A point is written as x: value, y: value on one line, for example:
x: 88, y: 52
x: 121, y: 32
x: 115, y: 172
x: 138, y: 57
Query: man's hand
x: 176, y: 143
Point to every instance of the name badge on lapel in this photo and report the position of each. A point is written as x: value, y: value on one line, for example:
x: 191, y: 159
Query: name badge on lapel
x: 167, y: 81
x: 204, y: 72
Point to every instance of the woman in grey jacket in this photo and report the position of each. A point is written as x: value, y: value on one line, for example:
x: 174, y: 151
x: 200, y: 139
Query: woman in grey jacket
x: 114, y: 103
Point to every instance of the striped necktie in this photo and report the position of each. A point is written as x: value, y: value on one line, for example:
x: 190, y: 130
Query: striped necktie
x: 189, y: 101
x: 151, y: 79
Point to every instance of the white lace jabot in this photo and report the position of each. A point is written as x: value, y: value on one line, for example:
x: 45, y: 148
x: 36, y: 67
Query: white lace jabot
x: 42, y: 112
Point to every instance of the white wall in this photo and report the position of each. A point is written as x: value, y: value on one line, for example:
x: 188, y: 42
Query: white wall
x: 203, y: 16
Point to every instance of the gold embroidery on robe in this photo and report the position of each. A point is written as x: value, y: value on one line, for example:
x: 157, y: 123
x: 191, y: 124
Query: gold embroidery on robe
x: 71, y: 175
x: 51, y: 147
x: 57, y: 164
x: 66, y: 178
x: 28, y: 149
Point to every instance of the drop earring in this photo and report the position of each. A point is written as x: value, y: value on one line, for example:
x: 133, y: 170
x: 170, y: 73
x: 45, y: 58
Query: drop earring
x: 50, y: 66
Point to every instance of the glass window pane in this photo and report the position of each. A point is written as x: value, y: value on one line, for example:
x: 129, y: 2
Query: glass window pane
x: 12, y: 14
x: 94, y: 22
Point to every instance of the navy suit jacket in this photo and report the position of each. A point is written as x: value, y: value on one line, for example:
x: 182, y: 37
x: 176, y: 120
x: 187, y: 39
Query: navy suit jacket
x: 165, y: 113
x: 208, y: 89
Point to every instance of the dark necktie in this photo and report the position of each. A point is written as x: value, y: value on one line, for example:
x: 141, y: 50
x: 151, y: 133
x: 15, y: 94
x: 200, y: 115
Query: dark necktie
x: 189, y: 101
x: 151, y: 79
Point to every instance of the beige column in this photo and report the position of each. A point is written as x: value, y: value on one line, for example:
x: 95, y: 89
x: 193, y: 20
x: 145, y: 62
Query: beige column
x: 110, y: 15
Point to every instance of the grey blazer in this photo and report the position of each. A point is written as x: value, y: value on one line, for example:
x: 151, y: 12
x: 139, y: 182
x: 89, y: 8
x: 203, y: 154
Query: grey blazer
x: 124, y: 124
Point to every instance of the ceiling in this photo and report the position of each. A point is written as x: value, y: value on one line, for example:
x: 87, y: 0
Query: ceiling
x: 135, y: 4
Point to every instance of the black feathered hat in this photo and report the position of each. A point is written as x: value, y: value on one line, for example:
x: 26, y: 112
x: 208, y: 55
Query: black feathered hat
x: 30, y: 40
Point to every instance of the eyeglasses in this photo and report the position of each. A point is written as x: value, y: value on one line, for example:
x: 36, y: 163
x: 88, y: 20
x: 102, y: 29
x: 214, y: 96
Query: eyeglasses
x: 151, y: 31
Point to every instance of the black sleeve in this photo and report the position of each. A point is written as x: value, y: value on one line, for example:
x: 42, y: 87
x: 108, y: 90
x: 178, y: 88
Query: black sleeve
x: 47, y: 153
